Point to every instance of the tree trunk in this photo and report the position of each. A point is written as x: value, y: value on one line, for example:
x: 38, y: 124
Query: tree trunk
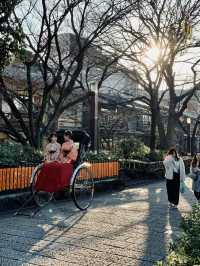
x: 153, y: 130
x: 154, y: 113
x: 171, y: 138
x: 162, y: 135
x: 193, y: 147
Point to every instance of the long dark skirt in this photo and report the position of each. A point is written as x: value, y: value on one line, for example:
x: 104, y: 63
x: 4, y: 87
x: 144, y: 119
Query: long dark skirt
x: 173, y: 189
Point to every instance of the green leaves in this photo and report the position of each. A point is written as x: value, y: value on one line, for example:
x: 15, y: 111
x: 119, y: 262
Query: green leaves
x: 133, y: 149
x: 186, y: 250
x: 11, y: 34
x: 101, y: 157
x: 15, y: 153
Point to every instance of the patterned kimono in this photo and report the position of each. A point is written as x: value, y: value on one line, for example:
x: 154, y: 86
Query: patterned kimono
x: 52, y: 152
x: 55, y: 175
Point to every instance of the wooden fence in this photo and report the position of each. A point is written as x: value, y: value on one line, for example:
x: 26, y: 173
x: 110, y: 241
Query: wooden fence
x: 18, y: 177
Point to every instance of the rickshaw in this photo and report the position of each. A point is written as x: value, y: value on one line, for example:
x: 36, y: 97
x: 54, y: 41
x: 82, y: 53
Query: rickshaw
x: 81, y: 186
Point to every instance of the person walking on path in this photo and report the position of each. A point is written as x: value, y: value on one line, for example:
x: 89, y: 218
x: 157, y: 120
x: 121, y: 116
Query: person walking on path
x: 195, y: 175
x: 174, y: 174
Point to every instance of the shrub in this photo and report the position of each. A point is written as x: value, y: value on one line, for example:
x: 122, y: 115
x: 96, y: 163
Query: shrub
x: 186, y: 250
x: 155, y: 156
x: 132, y: 149
x: 98, y: 157
x: 15, y: 153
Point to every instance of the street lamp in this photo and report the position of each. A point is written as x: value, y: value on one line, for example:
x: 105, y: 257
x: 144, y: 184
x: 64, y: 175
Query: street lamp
x: 188, y: 135
x: 93, y: 92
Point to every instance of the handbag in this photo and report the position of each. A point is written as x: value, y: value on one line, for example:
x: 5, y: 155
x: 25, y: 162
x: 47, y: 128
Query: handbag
x: 182, y: 187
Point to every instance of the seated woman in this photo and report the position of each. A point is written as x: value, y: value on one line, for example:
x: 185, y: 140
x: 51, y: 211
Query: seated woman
x: 69, y: 152
x: 52, y: 150
x: 56, y: 175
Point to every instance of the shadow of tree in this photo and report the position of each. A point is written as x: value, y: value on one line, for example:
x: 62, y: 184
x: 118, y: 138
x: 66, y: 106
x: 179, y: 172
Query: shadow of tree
x: 30, y: 240
x: 135, y: 222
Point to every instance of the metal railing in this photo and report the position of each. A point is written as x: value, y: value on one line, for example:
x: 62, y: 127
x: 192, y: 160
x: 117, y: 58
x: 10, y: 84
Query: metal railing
x: 149, y: 167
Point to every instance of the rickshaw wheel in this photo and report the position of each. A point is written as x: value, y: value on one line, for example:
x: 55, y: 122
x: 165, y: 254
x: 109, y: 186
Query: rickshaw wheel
x: 83, y: 188
x: 41, y: 198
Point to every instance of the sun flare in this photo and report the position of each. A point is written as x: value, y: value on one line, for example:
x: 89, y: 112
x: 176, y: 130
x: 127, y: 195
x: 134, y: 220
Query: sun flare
x: 153, y: 54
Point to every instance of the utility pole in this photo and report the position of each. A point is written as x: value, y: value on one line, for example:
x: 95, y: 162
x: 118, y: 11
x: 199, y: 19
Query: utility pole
x: 93, y: 122
x: 188, y: 135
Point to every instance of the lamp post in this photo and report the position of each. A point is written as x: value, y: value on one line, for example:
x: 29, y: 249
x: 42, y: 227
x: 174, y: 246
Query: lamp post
x: 188, y: 135
x: 93, y: 121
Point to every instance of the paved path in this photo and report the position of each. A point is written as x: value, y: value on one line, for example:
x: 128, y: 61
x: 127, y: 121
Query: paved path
x: 131, y: 227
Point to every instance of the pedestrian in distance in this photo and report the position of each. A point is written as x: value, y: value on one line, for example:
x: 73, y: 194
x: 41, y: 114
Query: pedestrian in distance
x: 174, y: 174
x: 195, y: 175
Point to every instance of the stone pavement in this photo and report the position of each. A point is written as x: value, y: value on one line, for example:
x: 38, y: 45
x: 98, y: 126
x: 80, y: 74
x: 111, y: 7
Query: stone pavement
x: 129, y: 227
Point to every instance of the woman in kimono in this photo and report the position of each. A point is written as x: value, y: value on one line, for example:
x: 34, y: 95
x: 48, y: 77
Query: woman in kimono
x: 52, y: 150
x: 69, y: 152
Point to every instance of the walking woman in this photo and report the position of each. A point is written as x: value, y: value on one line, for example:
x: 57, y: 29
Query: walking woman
x: 174, y: 173
x: 195, y: 175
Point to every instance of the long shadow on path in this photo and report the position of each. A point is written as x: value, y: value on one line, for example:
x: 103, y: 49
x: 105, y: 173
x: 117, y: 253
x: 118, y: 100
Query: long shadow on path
x: 163, y: 226
x: 163, y: 223
x: 30, y: 240
x: 156, y: 222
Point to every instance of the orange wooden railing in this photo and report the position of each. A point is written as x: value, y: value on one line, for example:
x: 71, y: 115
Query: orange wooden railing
x: 15, y: 177
x: 12, y: 178
x: 104, y: 169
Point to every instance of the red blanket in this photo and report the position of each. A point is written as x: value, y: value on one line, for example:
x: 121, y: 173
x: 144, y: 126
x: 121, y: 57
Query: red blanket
x: 54, y: 176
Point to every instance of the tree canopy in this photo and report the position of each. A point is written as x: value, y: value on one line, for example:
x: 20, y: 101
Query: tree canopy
x: 10, y: 32
x: 62, y: 42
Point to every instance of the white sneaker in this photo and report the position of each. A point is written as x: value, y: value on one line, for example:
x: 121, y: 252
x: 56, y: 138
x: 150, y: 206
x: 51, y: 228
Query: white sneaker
x: 172, y: 206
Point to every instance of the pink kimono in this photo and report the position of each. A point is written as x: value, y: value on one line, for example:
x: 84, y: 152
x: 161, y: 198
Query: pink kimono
x: 69, y: 152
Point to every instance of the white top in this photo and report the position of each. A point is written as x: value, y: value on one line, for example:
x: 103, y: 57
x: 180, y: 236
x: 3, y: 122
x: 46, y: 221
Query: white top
x: 176, y: 166
x: 172, y: 166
